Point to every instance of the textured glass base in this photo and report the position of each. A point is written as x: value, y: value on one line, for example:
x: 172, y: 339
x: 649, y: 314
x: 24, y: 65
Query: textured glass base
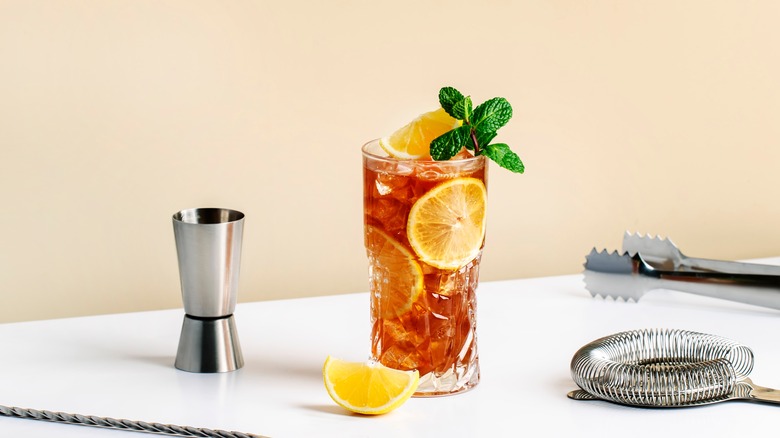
x: 435, y: 334
x: 449, y: 383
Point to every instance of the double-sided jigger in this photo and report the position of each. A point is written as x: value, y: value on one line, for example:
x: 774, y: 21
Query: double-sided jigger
x: 208, y: 245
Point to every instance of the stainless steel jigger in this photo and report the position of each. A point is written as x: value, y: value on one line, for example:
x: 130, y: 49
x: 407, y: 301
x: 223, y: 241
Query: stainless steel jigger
x: 208, y: 245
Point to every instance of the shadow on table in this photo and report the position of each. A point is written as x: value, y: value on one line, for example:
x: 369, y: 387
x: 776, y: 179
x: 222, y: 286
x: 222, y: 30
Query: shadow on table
x: 163, y: 361
x: 279, y: 368
x: 329, y: 409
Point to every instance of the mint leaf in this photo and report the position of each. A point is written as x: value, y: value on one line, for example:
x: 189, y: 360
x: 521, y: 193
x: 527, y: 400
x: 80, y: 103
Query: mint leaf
x: 492, y: 114
x: 501, y: 154
x: 448, y: 97
x: 450, y: 143
x: 461, y: 110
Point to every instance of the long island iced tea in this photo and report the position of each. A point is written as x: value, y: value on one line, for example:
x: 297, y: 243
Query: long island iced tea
x: 423, y: 317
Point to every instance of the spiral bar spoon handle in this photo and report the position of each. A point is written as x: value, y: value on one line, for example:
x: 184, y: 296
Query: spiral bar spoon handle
x: 119, y: 424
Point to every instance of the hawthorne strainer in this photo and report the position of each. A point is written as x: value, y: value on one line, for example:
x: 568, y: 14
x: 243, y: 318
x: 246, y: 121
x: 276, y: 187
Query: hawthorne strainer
x: 666, y: 368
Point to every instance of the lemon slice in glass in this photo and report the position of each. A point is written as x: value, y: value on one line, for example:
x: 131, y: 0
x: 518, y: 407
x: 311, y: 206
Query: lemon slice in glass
x: 413, y: 141
x: 446, y: 226
x: 368, y: 387
x: 398, y: 277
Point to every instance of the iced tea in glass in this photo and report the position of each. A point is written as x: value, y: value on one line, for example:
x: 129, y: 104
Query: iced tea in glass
x: 423, y: 313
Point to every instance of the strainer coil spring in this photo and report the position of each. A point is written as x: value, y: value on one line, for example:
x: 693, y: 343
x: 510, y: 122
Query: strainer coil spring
x: 661, y: 367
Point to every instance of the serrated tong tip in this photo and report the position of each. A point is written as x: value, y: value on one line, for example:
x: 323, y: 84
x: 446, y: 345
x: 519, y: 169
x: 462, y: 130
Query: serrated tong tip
x: 654, y: 249
x: 612, y: 275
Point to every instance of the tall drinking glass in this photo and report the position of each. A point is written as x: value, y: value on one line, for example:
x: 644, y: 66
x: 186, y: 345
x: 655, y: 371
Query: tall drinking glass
x: 423, y: 301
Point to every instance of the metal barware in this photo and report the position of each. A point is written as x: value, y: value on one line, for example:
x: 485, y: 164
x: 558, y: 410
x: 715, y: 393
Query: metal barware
x: 629, y: 277
x: 120, y: 424
x: 664, y: 254
x: 666, y: 368
x: 208, y: 246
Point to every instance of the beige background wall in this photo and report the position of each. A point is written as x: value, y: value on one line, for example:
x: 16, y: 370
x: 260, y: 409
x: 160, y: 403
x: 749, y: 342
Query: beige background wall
x: 659, y: 117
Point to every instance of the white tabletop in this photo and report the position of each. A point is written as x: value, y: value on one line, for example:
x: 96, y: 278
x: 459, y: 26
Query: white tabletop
x: 121, y: 366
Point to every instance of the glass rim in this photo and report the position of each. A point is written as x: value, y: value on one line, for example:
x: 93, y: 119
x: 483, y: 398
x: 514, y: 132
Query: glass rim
x: 389, y: 159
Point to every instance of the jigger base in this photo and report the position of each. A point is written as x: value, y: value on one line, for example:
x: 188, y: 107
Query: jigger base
x: 209, y: 345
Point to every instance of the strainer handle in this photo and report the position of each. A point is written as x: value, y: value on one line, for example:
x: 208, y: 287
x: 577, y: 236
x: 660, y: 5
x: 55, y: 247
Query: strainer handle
x: 762, y: 393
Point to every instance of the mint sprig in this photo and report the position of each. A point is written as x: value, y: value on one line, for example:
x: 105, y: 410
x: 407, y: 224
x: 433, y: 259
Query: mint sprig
x: 480, y: 126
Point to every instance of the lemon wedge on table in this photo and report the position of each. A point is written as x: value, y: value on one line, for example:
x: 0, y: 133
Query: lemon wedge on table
x: 368, y: 387
x: 446, y: 226
x: 413, y: 141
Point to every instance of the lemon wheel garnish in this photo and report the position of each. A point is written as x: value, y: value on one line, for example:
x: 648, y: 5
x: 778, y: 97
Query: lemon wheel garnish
x: 368, y: 387
x: 446, y: 226
x: 413, y: 141
x: 398, y: 277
